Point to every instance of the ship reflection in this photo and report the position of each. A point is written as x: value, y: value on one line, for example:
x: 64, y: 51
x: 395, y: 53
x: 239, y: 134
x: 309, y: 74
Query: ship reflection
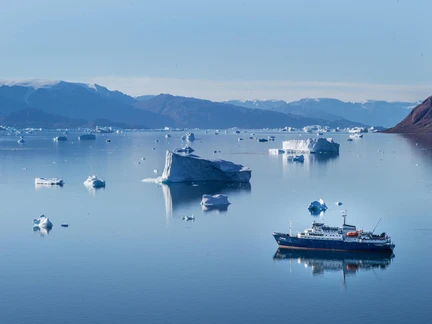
x: 330, y: 261
x: 180, y: 195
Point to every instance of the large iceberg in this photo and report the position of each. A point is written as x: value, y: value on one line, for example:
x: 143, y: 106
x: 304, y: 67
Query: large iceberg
x: 184, y: 168
x: 312, y: 145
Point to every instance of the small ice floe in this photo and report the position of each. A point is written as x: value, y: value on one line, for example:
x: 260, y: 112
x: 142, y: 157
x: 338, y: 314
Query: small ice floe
x: 356, y: 136
x: 188, y: 218
x: 49, y: 181
x: 317, y: 206
x: 42, y: 222
x: 187, y: 149
x: 251, y: 137
x: 276, y: 151
x: 87, y: 137
x: 59, y: 138
x: 190, y: 137
x: 64, y: 225
x: 108, y: 141
x: 296, y: 158
x: 338, y: 203
x: 21, y: 140
x: 271, y: 138
x: 93, y: 181
x: 262, y: 140
x: 214, y: 201
x: 240, y: 139
x: 237, y: 132
x: 167, y: 136
x: 143, y: 159
x: 349, y: 140
x: 155, y: 171
x: 417, y: 164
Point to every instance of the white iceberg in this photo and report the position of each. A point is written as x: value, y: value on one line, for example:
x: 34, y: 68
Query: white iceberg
x: 167, y: 136
x: 311, y: 145
x: 187, y: 149
x: 190, y: 137
x: 60, y: 138
x: 42, y: 222
x: 317, y: 206
x: 184, y: 168
x: 216, y: 200
x: 21, y: 140
x: 49, y: 181
x: 94, y: 182
x: 296, y: 158
x: 87, y: 137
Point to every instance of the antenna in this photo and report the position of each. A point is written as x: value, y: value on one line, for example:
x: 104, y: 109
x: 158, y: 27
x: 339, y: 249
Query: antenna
x: 344, y: 215
x: 376, y: 225
x: 290, y: 226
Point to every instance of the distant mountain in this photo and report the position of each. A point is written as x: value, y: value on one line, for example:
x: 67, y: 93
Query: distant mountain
x: 50, y: 104
x: 75, y: 101
x: 377, y: 113
x: 418, y: 121
x: 192, y: 112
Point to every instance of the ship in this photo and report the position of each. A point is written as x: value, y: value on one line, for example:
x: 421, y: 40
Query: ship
x: 345, y: 238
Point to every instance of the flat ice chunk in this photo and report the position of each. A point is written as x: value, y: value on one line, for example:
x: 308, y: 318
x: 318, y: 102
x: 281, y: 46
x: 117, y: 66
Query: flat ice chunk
x: 317, y: 206
x: 216, y: 200
x: 356, y: 136
x: 49, y: 181
x: 60, y: 138
x: 87, y: 137
x: 184, y: 168
x: 311, y: 145
x: 338, y: 203
x: 42, y: 222
x: 187, y: 149
x: 93, y: 181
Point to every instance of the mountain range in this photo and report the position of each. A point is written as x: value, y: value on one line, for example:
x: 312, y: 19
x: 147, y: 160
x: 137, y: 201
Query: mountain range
x: 371, y: 112
x: 54, y: 104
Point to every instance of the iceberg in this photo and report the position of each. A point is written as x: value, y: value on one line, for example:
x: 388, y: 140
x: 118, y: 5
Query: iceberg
x: 190, y: 137
x: 311, y: 145
x: 93, y: 181
x: 276, y: 151
x: 185, y: 168
x: 187, y: 149
x: 60, y: 138
x: 317, y: 206
x: 188, y: 218
x: 216, y: 200
x: 356, y: 136
x: 49, y: 181
x: 21, y: 140
x: 42, y: 222
x: 87, y: 137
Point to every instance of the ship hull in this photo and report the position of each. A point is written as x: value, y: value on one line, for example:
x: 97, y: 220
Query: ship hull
x: 293, y: 242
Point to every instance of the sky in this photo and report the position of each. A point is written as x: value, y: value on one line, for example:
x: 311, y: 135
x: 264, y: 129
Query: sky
x: 224, y: 49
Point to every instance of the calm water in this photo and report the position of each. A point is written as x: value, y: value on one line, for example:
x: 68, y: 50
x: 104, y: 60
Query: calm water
x: 127, y: 256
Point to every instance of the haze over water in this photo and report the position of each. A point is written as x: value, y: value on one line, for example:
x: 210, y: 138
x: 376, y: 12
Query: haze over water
x: 128, y: 257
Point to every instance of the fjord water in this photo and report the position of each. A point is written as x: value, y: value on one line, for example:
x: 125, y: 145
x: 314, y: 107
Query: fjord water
x: 127, y: 256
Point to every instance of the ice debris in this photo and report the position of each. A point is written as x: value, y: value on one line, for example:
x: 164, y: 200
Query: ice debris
x: 49, y: 181
x: 184, y: 168
x: 59, y: 138
x: 317, y: 206
x: 42, y: 222
x: 93, y: 181
x: 338, y: 203
x: 311, y: 145
x: 187, y: 149
x: 216, y: 200
x: 188, y: 218
x: 190, y: 137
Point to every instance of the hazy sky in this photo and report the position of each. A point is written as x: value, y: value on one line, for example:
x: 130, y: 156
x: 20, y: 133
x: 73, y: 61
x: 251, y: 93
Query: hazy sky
x: 225, y: 49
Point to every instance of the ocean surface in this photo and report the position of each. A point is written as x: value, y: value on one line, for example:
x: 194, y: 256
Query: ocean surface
x: 128, y: 257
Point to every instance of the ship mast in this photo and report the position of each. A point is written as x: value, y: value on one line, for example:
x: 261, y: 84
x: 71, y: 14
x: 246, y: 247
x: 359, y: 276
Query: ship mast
x: 344, y: 215
x: 290, y: 227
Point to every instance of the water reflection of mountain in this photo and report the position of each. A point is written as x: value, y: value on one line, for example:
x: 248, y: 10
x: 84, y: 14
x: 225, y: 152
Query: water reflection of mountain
x: 330, y: 261
x: 179, y: 195
x: 420, y: 142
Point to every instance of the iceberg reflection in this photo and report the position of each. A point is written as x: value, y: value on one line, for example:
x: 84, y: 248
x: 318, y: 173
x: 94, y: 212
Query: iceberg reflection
x: 178, y: 195
x: 43, y: 231
x: 331, y: 261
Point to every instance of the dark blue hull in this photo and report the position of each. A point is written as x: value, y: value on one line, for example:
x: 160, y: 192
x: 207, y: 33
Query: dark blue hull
x: 293, y: 242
